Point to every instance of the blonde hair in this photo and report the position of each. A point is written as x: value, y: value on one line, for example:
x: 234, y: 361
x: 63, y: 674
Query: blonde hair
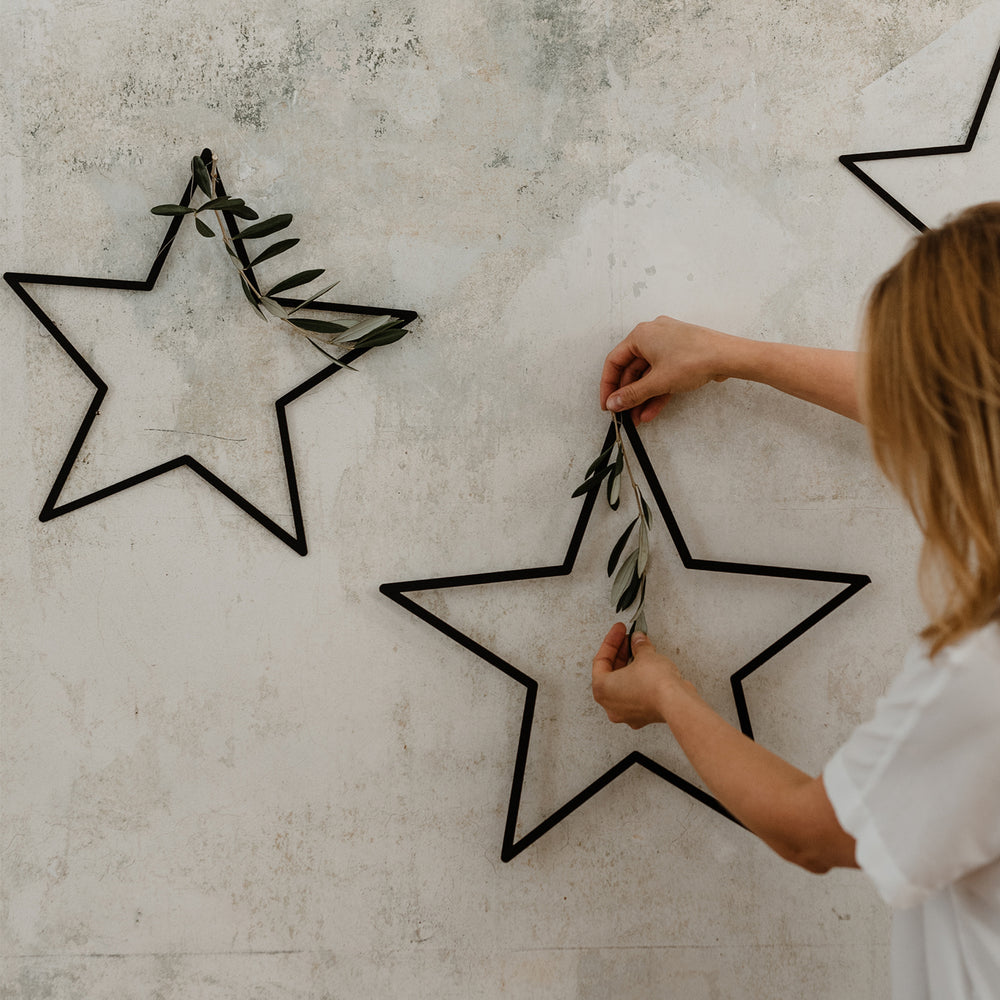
x: 931, y: 376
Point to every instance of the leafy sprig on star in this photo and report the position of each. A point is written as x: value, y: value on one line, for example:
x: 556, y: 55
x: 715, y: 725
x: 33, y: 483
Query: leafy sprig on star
x: 352, y: 334
x: 629, y: 570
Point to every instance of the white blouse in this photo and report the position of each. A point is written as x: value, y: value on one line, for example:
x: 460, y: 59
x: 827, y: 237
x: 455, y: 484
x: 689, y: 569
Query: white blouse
x: 918, y: 787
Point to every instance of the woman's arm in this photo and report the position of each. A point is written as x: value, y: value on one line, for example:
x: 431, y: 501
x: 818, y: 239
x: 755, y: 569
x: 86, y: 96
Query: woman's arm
x: 667, y: 355
x: 786, y: 808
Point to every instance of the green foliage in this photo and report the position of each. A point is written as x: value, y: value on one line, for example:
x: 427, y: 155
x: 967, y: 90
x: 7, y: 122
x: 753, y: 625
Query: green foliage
x: 381, y: 337
x: 273, y: 250
x: 172, y: 210
x: 302, y: 278
x: 628, y: 587
x: 616, y: 552
x: 265, y: 228
x: 222, y: 205
x: 318, y: 326
x: 201, y: 176
x: 373, y: 332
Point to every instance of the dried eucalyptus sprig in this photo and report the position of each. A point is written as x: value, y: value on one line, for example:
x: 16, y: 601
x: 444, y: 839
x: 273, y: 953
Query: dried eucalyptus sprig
x: 372, y: 332
x: 629, y: 585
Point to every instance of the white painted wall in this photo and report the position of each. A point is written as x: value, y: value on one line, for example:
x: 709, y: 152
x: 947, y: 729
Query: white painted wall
x: 229, y: 771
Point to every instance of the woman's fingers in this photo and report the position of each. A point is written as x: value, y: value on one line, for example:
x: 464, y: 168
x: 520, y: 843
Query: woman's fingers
x: 613, y: 654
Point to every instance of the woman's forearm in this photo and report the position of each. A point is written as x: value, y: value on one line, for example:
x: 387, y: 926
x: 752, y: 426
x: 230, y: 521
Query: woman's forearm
x: 825, y: 377
x: 666, y: 356
x: 785, y: 807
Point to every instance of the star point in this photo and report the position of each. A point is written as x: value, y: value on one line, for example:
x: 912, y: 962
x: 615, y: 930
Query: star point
x: 853, y: 161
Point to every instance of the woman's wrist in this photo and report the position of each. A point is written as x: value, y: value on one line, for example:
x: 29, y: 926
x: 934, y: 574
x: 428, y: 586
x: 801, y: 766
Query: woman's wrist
x: 743, y: 358
x: 674, y: 696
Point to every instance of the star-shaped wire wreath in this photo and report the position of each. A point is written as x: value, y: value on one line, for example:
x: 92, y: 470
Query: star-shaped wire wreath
x: 52, y: 507
x: 851, y: 160
x: 398, y: 592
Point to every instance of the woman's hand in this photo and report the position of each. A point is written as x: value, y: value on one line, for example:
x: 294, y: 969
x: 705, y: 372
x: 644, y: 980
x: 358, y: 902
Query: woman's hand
x: 666, y: 356
x: 632, y: 692
x: 658, y: 359
x: 786, y: 808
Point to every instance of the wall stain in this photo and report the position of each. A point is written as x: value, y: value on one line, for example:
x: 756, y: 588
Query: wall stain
x: 389, y: 38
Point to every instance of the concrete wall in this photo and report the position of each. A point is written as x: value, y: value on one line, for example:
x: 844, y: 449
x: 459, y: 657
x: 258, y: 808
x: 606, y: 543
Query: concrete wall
x: 230, y: 771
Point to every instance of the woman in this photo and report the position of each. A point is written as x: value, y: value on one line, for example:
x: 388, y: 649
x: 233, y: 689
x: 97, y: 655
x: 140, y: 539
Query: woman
x: 913, y: 796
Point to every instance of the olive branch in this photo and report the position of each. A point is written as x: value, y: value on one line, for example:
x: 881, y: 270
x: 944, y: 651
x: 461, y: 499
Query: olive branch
x: 372, y: 332
x: 629, y: 585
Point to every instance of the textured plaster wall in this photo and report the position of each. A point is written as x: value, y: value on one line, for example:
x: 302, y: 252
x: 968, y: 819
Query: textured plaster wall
x: 232, y: 772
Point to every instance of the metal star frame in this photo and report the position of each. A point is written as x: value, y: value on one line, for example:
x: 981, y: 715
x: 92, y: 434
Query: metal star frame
x: 52, y: 508
x: 851, y: 160
x: 512, y: 846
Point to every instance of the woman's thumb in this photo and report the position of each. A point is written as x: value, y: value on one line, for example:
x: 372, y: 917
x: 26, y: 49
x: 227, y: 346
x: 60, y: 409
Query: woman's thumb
x: 641, y: 639
x: 630, y: 395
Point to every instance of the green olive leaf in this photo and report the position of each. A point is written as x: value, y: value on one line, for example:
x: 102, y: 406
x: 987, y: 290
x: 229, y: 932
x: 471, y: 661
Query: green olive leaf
x: 366, y: 326
x: 315, y: 325
x: 624, y: 578
x: 616, y: 552
x: 201, y: 175
x: 629, y: 595
x: 640, y: 622
x: 204, y: 229
x: 646, y: 515
x: 314, y: 296
x: 172, y: 210
x: 265, y: 228
x: 222, y: 205
x: 252, y: 299
x: 302, y: 278
x: 588, y: 484
x: 274, y: 308
x: 336, y: 361
x: 273, y: 250
x: 614, y: 491
x: 615, y: 482
x: 600, y: 460
x: 379, y: 338
x: 643, y: 548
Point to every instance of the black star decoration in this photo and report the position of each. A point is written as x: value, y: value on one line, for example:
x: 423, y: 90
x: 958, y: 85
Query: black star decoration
x: 53, y: 508
x: 399, y: 592
x: 852, y: 160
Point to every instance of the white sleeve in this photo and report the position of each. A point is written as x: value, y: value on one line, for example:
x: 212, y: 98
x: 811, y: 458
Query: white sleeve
x: 918, y: 786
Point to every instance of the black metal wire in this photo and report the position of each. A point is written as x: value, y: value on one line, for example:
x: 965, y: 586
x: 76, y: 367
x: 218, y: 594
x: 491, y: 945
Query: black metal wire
x: 398, y: 592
